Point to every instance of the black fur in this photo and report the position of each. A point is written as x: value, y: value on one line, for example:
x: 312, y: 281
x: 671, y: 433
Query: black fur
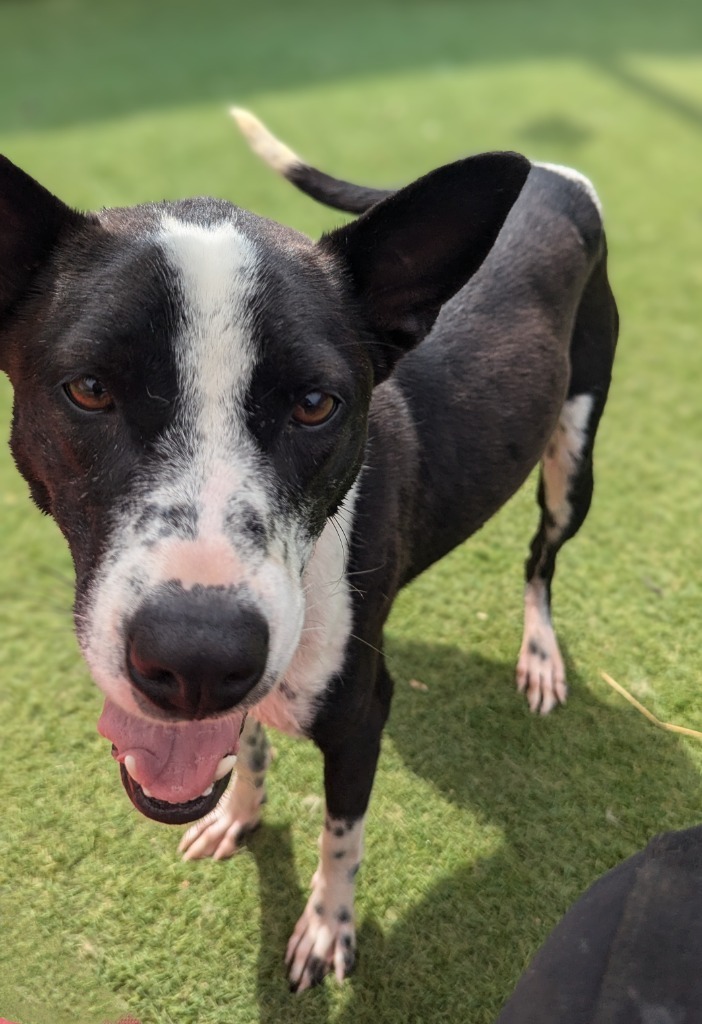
x: 449, y: 331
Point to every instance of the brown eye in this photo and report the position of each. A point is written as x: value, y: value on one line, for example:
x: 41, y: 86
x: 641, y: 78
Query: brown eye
x: 314, y: 409
x: 89, y: 394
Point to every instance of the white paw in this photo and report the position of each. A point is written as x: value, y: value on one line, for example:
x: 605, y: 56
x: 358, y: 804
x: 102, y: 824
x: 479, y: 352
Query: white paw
x: 324, y: 940
x: 219, y: 835
x: 540, y: 672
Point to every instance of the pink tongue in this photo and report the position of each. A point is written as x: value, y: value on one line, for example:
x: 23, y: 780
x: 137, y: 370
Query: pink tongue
x: 175, y: 762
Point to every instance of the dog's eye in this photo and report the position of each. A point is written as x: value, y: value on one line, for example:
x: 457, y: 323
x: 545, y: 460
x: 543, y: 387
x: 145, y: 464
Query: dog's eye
x: 315, y: 408
x: 89, y: 393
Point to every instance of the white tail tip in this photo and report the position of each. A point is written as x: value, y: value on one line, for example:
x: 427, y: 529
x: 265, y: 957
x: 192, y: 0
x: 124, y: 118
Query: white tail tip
x: 264, y: 144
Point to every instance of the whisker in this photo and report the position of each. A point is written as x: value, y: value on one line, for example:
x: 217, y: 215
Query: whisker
x: 360, y: 639
x: 365, y: 572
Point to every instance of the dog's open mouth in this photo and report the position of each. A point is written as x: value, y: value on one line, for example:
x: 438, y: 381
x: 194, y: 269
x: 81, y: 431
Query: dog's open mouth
x: 170, y: 813
x: 172, y: 772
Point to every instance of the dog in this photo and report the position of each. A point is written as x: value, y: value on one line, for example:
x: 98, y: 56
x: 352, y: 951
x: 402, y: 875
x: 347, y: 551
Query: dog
x: 252, y: 441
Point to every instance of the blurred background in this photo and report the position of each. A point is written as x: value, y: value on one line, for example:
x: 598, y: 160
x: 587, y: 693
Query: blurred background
x: 486, y: 823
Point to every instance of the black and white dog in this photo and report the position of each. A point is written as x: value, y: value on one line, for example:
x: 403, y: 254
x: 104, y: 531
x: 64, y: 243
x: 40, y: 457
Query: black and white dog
x: 251, y: 441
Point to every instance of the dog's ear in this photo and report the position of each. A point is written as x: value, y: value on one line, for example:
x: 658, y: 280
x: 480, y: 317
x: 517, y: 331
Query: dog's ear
x: 411, y: 252
x: 31, y: 220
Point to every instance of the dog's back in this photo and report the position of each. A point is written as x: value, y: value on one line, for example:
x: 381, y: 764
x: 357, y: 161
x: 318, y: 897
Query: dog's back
x: 486, y: 387
x: 515, y: 371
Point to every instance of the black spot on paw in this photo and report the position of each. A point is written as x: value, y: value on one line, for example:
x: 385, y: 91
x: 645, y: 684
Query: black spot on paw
x: 343, y: 915
x: 316, y: 969
x: 257, y: 761
x: 349, y: 961
x: 245, y: 831
x: 257, y: 736
x: 338, y: 854
x: 319, y: 909
x: 537, y: 650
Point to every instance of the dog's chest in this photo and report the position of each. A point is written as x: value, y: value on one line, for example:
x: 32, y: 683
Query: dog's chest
x: 292, y: 704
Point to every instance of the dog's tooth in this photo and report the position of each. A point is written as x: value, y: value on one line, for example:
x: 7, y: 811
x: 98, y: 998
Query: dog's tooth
x: 207, y: 791
x: 225, y: 766
x: 130, y: 765
x: 146, y: 792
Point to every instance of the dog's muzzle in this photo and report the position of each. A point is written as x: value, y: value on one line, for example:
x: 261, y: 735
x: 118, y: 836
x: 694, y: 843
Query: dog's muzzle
x: 193, y: 656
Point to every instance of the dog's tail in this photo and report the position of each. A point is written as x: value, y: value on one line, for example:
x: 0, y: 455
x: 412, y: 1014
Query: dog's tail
x: 340, y: 195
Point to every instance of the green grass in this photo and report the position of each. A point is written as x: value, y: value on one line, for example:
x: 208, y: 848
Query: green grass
x: 486, y: 822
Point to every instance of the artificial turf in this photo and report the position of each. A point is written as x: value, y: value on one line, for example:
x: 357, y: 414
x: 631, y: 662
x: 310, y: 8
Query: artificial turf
x: 486, y: 822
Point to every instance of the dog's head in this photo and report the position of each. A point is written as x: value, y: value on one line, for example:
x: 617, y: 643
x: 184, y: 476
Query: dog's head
x: 192, y: 386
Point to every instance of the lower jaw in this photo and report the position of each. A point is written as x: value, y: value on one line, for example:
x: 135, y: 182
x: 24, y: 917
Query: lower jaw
x: 168, y: 813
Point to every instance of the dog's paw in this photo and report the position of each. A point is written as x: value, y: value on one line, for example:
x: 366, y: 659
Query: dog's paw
x: 324, y: 941
x: 541, y: 672
x: 220, y: 834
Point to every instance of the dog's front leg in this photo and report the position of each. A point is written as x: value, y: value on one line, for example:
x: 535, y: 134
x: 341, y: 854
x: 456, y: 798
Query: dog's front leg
x: 324, y: 939
x: 238, y: 813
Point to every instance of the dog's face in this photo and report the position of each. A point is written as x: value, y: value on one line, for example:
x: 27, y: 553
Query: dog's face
x: 192, y: 386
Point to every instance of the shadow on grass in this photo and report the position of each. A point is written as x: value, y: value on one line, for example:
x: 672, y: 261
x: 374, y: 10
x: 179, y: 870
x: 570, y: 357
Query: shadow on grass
x: 282, y: 902
x: 571, y: 794
x: 648, y: 89
x: 171, y: 52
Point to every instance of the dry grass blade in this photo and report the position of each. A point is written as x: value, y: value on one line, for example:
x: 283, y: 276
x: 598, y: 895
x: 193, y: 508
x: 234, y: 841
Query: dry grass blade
x: 669, y: 726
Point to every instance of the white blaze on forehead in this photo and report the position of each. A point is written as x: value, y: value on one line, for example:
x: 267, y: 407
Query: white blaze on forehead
x: 217, y: 272
x: 217, y: 268
x: 209, y: 462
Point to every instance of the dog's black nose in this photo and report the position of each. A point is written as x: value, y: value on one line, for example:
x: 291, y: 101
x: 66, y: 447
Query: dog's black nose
x: 197, y: 651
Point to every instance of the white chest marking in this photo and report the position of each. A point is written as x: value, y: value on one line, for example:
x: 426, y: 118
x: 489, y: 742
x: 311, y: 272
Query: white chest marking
x: 326, y: 629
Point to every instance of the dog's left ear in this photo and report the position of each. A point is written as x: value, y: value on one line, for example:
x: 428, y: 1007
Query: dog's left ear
x: 411, y: 252
x: 31, y: 221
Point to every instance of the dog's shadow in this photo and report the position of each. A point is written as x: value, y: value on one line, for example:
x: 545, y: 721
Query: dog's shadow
x: 569, y: 796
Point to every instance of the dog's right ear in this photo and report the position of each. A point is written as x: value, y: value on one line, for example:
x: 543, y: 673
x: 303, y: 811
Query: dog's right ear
x: 411, y: 252
x: 31, y: 221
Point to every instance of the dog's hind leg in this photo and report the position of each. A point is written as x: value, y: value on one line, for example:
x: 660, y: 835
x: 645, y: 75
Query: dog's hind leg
x: 238, y: 813
x: 565, y: 488
x: 564, y: 494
